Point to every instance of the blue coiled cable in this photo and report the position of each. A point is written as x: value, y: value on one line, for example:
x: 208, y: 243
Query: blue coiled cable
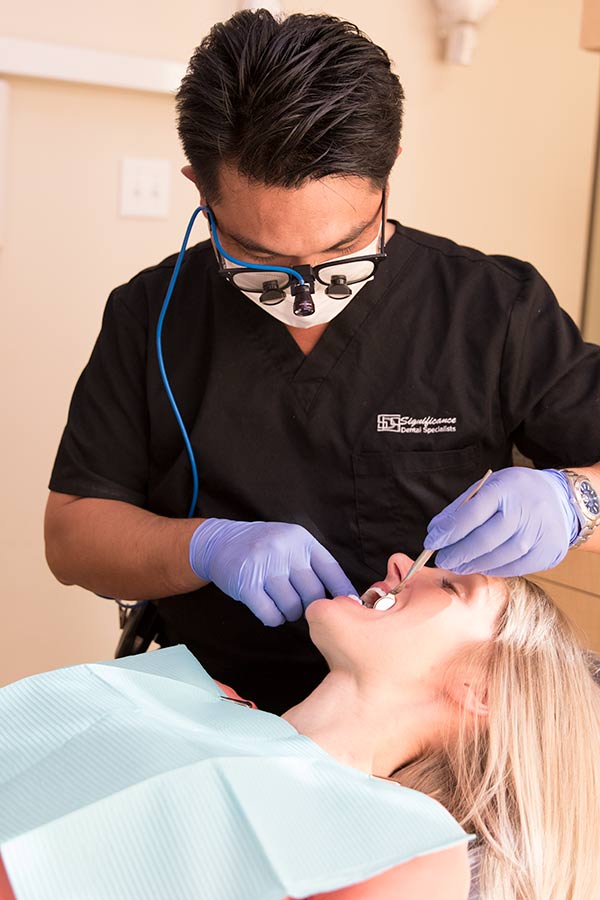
x: 159, y: 350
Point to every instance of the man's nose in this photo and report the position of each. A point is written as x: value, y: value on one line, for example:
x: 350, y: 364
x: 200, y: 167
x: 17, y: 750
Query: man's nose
x: 295, y: 261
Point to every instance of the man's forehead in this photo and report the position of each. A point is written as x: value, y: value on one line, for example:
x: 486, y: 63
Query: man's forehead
x: 348, y: 188
x: 315, y: 217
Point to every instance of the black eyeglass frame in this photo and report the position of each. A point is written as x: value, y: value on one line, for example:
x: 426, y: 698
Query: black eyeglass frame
x: 310, y: 271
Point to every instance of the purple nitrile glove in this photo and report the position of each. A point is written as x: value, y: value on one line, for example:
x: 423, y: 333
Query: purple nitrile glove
x: 274, y: 568
x: 521, y: 521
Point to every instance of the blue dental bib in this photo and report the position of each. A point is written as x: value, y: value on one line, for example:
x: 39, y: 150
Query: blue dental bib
x: 134, y: 779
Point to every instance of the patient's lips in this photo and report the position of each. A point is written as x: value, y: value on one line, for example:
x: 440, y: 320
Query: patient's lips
x: 370, y: 596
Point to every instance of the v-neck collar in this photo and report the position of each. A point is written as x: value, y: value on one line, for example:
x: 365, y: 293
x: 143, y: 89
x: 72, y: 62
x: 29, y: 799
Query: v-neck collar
x: 307, y: 372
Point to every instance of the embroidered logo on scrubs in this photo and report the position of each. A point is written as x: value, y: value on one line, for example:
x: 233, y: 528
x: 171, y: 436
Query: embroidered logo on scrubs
x: 412, y: 425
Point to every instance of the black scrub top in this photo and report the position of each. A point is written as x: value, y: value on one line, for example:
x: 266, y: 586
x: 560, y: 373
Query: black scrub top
x: 426, y: 379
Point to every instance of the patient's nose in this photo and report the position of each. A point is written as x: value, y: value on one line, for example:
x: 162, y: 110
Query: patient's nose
x: 397, y: 567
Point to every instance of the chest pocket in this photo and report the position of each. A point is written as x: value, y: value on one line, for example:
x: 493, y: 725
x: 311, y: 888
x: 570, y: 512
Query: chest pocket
x: 397, y: 493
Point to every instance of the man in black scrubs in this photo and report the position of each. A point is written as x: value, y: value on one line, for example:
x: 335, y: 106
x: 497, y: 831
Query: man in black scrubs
x: 332, y: 412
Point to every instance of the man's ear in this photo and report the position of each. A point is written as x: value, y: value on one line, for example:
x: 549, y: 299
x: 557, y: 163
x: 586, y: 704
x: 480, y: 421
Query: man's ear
x: 387, y: 188
x: 189, y: 173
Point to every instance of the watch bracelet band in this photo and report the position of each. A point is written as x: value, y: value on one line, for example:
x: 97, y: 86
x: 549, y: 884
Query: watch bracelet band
x: 590, y: 523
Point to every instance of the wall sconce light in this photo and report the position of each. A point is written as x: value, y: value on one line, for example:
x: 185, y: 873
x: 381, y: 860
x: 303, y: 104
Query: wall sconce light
x: 457, y: 24
x: 274, y: 6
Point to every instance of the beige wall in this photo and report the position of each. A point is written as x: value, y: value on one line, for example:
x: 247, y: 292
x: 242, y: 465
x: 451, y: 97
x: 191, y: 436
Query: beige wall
x: 498, y: 155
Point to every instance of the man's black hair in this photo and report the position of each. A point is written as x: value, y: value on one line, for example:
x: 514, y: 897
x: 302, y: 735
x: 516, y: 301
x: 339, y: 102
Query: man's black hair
x: 290, y: 100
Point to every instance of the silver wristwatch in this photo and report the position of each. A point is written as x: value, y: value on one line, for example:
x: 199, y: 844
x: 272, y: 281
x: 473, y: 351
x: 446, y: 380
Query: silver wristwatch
x: 585, y: 503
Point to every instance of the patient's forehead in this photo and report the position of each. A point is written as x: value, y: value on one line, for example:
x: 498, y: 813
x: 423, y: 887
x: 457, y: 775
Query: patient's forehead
x: 499, y: 593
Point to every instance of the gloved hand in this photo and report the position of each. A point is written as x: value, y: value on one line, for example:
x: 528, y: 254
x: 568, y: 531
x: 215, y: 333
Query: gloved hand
x: 275, y: 569
x: 521, y: 521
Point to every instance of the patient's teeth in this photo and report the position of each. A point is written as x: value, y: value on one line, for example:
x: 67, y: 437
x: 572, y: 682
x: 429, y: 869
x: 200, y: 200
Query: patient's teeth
x: 371, y: 596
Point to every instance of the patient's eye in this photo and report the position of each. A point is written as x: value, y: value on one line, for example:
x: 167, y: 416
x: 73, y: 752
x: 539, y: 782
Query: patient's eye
x: 449, y: 586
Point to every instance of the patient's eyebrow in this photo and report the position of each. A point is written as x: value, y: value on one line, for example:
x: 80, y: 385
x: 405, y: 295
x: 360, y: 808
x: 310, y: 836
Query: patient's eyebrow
x: 253, y: 247
x: 488, y: 593
x: 467, y: 589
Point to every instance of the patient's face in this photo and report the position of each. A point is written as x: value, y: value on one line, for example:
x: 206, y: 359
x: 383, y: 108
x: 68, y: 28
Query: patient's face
x: 435, y: 615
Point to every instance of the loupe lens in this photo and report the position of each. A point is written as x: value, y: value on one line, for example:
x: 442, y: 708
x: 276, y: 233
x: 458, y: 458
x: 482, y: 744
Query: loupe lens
x: 254, y: 281
x: 272, y: 294
x: 338, y: 289
x: 351, y: 271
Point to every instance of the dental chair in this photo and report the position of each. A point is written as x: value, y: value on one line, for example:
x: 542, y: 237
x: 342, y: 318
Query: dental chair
x: 139, y: 628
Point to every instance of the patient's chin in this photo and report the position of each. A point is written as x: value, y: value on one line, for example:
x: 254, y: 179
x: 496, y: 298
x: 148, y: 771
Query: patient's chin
x: 314, y: 608
x: 325, y: 618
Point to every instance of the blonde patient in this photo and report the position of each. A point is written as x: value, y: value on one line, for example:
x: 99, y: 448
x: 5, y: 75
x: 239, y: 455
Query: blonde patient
x: 470, y: 689
x: 475, y: 691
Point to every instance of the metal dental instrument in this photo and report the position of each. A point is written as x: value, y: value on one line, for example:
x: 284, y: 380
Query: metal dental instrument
x: 374, y: 598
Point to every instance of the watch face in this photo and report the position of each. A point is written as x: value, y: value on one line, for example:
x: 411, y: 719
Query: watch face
x: 589, y: 498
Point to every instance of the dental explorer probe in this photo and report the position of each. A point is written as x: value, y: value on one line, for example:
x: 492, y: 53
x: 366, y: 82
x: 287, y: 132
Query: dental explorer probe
x: 375, y: 600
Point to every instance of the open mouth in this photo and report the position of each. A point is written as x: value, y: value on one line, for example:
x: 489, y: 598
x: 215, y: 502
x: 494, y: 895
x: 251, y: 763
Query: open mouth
x: 377, y: 598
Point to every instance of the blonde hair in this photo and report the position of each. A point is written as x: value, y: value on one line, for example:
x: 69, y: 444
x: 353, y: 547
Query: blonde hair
x: 526, y: 778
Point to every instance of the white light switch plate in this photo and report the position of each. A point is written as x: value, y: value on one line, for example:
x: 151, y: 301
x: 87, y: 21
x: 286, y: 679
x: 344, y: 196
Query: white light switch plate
x: 145, y: 187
